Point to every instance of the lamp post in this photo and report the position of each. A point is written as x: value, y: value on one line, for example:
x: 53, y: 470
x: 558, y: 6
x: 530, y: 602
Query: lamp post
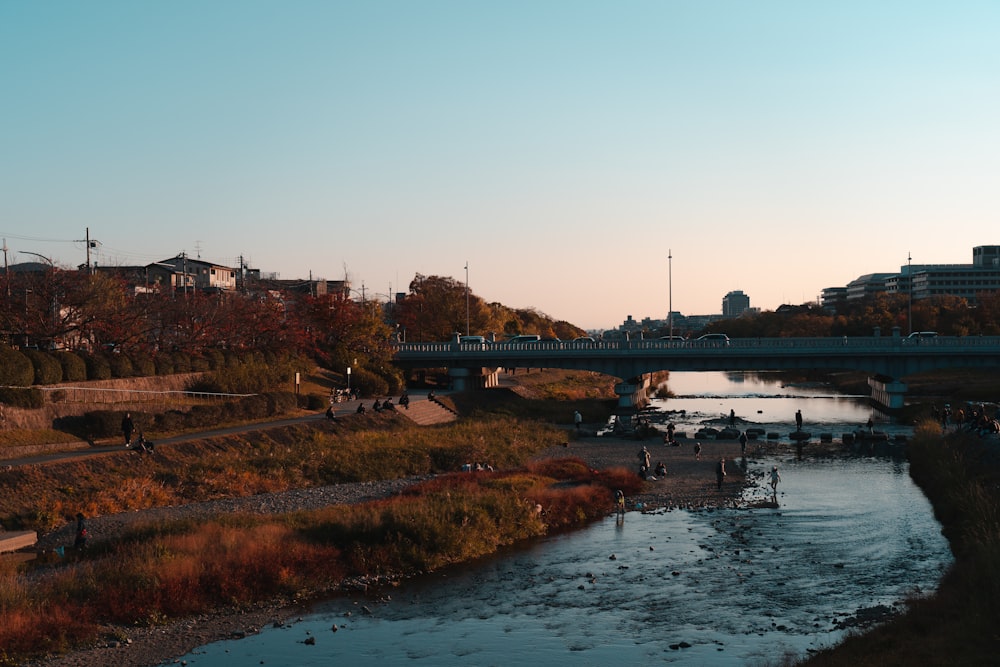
x: 670, y: 291
x: 466, y: 297
x: 52, y: 264
x: 909, y: 290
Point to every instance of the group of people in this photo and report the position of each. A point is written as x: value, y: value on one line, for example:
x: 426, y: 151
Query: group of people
x: 645, y: 471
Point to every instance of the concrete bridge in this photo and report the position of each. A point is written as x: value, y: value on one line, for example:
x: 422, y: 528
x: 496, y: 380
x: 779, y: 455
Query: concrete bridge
x: 887, y: 359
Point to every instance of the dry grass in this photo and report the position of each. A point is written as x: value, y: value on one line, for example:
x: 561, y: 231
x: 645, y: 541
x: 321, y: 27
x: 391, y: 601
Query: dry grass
x: 156, y: 572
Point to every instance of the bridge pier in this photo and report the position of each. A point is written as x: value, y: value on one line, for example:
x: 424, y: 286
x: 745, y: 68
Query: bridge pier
x: 890, y: 394
x: 473, y: 378
x: 631, y: 397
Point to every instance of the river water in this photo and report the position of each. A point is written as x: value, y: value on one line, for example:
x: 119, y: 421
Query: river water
x: 849, y: 538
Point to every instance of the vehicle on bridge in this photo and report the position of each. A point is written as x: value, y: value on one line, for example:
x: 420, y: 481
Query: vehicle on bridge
x: 714, y: 338
x: 524, y: 338
x: 674, y: 339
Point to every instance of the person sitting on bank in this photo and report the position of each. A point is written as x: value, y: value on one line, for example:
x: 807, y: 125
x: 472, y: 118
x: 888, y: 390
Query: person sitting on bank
x: 361, y: 408
x: 661, y: 470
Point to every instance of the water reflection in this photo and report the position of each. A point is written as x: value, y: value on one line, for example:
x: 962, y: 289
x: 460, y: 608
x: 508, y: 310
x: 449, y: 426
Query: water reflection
x: 728, y: 587
x: 763, y: 400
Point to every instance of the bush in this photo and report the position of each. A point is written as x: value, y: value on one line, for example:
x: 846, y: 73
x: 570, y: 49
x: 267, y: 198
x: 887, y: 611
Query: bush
x: 48, y: 370
x: 172, y: 420
x: 15, y: 368
x: 121, y: 366
x: 250, y: 407
x: 182, y: 362
x: 216, y: 359
x: 280, y: 402
x: 202, y: 416
x: 200, y: 364
x: 73, y: 367
x: 142, y: 365
x: 313, y: 402
x: 108, y: 423
x: 248, y: 377
x: 369, y: 384
x: 98, y: 367
x: 22, y: 398
x: 164, y: 364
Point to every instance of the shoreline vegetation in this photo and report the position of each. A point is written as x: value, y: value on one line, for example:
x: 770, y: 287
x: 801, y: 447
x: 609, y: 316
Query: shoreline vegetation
x: 156, y: 589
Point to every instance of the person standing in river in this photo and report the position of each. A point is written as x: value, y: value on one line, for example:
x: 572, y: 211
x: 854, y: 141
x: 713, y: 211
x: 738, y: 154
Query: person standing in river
x: 720, y: 471
x: 775, y: 478
x: 798, y: 420
x: 743, y: 444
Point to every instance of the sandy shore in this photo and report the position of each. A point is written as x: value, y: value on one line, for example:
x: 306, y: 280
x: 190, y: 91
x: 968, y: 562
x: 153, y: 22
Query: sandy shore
x: 690, y: 483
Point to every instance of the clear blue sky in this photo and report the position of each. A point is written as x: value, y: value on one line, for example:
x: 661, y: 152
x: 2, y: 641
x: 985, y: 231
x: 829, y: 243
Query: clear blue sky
x: 560, y: 148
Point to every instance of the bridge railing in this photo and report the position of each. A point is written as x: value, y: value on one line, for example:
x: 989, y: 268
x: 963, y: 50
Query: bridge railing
x: 815, y: 343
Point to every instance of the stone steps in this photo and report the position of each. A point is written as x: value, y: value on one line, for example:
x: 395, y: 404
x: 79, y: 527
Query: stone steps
x: 17, y: 539
x: 427, y: 413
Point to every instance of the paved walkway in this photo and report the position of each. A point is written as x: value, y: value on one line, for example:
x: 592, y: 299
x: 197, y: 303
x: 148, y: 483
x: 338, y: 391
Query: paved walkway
x: 341, y: 410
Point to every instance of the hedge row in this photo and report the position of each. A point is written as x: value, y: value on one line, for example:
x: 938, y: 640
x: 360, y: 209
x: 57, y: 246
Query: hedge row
x: 23, y: 368
x: 99, y: 424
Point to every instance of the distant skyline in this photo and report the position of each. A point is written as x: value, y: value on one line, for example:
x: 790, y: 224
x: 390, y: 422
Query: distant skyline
x: 557, y: 149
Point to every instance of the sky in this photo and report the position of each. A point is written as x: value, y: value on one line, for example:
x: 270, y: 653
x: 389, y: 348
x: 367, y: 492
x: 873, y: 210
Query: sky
x: 591, y: 160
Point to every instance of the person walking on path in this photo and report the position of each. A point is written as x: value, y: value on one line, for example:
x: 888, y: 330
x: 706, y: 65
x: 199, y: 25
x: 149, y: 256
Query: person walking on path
x: 798, y: 420
x: 577, y: 419
x: 128, y: 426
x: 743, y: 444
x: 720, y: 471
x: 775, y: 478
x: 697, y: 451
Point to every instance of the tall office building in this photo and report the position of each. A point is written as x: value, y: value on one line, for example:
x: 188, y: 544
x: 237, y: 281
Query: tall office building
x: 735, y: 303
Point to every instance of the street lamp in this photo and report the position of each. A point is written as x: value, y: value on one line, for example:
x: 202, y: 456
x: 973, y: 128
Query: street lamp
x: 51, y: 263
x: 670, y: 291
x: 909, y: 289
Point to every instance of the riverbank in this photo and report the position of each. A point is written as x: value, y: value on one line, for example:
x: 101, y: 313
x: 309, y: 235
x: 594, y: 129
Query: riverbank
x: 689, y: 483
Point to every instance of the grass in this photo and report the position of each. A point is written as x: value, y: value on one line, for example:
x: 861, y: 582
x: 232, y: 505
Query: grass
x: 157, y: 572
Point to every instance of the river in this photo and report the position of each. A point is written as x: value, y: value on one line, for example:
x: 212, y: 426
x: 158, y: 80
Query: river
x: 850, y: 539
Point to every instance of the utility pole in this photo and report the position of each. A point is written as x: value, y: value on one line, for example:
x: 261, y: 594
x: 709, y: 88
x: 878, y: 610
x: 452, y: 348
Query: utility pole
x: 466, y: 297
x: 89, y: 244
x: 670, y: 291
